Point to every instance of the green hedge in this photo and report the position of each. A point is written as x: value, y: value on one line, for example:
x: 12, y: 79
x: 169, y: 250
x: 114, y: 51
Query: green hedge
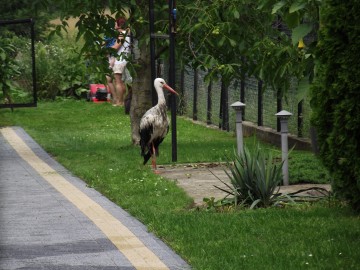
x: 336, y: 96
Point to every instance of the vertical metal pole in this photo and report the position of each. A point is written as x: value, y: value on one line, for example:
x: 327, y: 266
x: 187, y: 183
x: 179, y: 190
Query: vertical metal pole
x: 209, y: 103
x: 260, y: 103
x: 195, y: 95
x: 152, y: 51
x: 300, y: 118
x: 224, y: 106
x: 221, y: 124
x: 172, y: 33
x: 33, y: 61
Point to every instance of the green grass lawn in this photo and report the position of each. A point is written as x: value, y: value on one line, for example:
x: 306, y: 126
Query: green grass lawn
x: 93, y: 141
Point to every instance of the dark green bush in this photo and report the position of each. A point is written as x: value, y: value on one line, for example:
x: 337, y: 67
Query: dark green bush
x: 336, y: 96
x: 60, y: 69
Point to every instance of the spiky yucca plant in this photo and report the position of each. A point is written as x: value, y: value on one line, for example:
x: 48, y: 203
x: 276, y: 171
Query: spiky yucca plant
x: 255, y: 177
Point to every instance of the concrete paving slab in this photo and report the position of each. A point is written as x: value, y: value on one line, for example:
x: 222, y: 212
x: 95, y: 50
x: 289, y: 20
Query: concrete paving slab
x: 199, y: 181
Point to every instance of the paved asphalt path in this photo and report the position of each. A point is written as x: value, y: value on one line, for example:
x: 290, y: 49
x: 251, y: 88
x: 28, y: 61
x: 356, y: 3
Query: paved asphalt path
x: 50, y: 219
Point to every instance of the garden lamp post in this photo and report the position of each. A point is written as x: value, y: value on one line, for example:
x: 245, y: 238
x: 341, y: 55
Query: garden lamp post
x: 284, y: 117
x: 238, y: 106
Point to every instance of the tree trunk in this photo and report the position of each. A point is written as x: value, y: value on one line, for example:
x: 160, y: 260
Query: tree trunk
x: 141, y: 93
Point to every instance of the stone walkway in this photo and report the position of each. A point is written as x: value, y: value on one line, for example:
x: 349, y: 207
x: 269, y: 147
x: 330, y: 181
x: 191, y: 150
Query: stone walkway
x: 50, y: 219
x: 199, y: 181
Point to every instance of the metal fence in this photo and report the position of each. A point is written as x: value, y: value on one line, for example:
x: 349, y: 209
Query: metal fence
x: 17, y: 64
x: 208, y: 104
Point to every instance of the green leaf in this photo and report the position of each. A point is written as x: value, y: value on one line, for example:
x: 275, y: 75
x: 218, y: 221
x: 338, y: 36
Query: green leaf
x: 278, y: 6
x: 303, y: 89
x: 296, y: 6
x: 256, y: 202
x: 236, y: 14
x: 300, y: 32
x: 197, y: 26
x: 221, y: 41
x: 292, y: 19
x: 232, y: 42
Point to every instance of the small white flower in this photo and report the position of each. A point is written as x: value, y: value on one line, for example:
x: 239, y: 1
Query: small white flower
x: 310, y: 255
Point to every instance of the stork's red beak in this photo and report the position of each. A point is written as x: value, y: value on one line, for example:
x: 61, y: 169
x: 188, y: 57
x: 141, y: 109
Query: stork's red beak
x: 170, y: 89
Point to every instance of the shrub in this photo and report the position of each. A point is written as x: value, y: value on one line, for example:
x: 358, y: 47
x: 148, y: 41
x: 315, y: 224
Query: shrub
x: 60, y: 68
x: 8, y: 68
x: 336, y: 95
x: 255, y: 177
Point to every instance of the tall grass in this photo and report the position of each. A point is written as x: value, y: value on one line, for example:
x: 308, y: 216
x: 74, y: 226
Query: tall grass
x: 93, y: 141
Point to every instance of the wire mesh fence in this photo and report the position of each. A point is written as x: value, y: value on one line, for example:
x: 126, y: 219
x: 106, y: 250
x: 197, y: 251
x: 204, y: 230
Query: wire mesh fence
x: 203, y: 103
x: 17, y: 80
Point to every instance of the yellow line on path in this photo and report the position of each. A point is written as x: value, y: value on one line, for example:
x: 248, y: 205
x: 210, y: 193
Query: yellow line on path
x: 133, y: 249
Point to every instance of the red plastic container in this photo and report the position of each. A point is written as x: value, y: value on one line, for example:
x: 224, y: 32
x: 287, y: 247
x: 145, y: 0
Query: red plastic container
x: 99, y: 93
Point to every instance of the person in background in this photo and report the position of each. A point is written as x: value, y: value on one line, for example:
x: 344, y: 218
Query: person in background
x: 118, y: 62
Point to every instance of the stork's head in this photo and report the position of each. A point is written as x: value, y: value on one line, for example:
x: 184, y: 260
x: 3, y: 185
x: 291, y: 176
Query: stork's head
x: 160, y: 83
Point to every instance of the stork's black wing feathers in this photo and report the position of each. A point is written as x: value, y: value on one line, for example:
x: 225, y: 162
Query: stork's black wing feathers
x: 145, y: 136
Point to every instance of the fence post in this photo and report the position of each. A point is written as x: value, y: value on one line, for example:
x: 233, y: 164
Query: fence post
x: 224, y: 107
x: 221, y: 124
x: 172, y: 75
x: 260, y: 103
x: 283, y: 117
x: 209, y: 105
x: 195, y: 111
x: 300, y: 118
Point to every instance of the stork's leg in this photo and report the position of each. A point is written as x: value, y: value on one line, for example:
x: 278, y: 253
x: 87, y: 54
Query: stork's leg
x: 153, y: 160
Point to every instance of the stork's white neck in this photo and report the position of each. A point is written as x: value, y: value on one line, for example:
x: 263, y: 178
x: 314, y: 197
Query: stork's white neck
x: 161, y: 97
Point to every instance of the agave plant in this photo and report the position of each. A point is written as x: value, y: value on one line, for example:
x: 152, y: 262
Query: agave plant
x: 255, y: 177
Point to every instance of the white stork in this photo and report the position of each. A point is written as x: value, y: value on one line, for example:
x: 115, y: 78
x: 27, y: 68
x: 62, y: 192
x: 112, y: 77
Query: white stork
x: 154, y: 125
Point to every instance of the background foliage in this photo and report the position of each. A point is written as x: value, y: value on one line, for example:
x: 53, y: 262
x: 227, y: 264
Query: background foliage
x: 41, y: 11
x: 336, y: 96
